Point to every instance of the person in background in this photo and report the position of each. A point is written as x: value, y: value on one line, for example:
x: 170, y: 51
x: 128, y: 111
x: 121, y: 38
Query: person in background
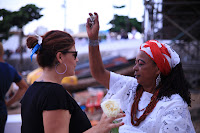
x: 8, y: 75
x: 156, y: 100
x: 47, y: 106
x: 133, y: 32
x: 35, y: 74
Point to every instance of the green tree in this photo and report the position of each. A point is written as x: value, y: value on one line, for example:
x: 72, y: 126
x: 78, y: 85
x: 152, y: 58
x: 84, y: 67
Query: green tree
x: 124, y: 22
x: 19, y: 18
x: 5, y: 24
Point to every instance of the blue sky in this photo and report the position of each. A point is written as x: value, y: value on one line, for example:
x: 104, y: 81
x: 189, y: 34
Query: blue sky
x: 76, y: 12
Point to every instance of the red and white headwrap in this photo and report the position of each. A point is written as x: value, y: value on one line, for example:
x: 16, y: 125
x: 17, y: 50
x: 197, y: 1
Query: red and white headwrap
x: 162, y: 54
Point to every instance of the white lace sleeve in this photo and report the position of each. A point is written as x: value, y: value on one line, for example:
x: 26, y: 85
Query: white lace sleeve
x: 122, y: 88
x: 119, y: 85
x: 115, y: 78
x: 176, y: 120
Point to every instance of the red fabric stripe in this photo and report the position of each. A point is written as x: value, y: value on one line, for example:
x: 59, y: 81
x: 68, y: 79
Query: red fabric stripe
x: 158, y: 56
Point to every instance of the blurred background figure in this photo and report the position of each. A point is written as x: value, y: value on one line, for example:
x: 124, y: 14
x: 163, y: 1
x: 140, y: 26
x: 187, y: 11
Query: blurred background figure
x: 35, y: 74
x: 124, y: 34
x: 133, y: 32
x: 7, y: 77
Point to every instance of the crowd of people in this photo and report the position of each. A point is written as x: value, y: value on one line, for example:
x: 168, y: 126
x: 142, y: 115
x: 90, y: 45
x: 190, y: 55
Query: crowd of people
x: 155, y: 100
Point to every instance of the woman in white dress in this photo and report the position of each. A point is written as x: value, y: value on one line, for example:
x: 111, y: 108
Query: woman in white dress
x: 156, y: 100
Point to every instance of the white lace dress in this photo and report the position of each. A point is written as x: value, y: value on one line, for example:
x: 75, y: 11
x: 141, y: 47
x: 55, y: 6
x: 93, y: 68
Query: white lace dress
x: 171, y: 115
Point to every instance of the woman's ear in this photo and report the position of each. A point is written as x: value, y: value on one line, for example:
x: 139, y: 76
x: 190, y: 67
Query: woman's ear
x: 59, y: 57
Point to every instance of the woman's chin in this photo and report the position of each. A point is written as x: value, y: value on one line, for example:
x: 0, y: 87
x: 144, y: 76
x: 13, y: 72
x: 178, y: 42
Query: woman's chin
x: 137, y: 78
x: 68, y: 74
x: 72, y: 74
x: 138, y: 81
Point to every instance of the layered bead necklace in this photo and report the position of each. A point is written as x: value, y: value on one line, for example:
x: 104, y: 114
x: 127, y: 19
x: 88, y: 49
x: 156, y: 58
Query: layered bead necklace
x: 136, y: 121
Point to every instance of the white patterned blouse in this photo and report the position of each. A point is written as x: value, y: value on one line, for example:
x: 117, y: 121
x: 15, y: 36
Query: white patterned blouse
x: 171, y: 115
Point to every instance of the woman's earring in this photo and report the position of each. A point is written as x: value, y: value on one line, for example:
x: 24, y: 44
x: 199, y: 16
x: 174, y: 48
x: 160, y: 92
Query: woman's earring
x: 59, y: 72
x: 158, y: 79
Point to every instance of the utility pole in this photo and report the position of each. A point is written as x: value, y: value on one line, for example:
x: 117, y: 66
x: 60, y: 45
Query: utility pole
x: 21, y: 35
x: 65, y: 9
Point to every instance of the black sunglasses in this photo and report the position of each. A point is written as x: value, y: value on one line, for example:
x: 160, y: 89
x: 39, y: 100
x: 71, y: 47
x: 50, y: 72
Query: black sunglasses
x: 75, y: 53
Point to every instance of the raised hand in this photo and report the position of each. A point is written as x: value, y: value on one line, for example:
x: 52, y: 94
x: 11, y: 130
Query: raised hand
x: 93, y: 28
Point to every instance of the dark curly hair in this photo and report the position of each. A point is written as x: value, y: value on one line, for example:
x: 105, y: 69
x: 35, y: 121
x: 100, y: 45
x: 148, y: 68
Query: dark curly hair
x: 1, y: 49
x: 53, y: 41
x: 175, y: 83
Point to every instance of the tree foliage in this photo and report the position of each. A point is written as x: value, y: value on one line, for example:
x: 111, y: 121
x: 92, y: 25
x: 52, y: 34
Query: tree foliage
x: 19, y: 18
x: 119, y: 7
x: 125, y: 23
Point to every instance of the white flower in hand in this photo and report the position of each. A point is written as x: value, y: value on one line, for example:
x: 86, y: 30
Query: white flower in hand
x: 111, y: 107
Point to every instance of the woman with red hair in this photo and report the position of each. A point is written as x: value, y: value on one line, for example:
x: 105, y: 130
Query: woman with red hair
x: 156, y: 100
x: 47, y: 106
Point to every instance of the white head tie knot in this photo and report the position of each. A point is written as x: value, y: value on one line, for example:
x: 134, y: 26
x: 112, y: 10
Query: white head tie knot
x: 39, y: 39
x: 162, y: 54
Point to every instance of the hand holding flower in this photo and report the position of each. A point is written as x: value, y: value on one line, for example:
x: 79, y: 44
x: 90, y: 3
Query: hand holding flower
x: 111, y: 107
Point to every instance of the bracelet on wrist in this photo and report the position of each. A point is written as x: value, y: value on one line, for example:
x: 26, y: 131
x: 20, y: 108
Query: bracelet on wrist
x: 93, y: 42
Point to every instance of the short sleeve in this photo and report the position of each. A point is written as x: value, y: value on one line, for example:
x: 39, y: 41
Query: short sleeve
x: 118, y: 79
x: 16, y: 76
x: 121, y: 87
x: 114, y: 78
x: 57, y: 98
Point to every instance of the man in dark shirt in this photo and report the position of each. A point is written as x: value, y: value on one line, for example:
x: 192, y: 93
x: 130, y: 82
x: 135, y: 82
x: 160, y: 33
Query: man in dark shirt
x: 8, y: 75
